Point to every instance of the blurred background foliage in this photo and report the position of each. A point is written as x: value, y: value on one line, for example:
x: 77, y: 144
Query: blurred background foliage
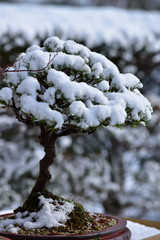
x: 129, y: 4
x: 114, y: 171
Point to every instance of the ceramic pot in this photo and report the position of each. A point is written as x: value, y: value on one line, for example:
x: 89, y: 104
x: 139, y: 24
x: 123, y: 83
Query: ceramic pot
x: 118, y: 232
x: 4, y: 238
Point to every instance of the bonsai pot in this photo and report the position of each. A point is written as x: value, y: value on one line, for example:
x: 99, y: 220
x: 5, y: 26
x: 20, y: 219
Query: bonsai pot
x: 118, y: 232
x: 4, y: 238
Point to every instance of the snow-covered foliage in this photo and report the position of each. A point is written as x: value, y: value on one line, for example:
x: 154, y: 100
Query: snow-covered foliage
x: 145, y: 4
x: 134, y: 48
x: 68, y: 87
x: 135, y: 28
x: 52, y: 214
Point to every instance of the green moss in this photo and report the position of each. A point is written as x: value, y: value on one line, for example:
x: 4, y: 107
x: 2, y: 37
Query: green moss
x: 79, y: 220
x: 32, y: 203
x: 78, y: 216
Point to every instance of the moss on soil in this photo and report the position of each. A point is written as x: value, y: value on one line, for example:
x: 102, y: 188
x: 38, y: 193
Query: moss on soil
x: 32, y: 203
x: 79, y: 222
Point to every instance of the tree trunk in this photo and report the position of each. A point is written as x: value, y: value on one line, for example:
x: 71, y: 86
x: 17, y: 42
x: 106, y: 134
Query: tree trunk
x: 48, y: 142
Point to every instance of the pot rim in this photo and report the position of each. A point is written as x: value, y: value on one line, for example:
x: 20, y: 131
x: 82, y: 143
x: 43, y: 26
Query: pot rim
x: 119, y: 226
x: 3, y: 238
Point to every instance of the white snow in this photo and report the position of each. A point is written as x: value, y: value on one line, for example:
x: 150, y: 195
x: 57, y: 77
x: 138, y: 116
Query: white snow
x: 134, y: 100
x: 77, y: 108
x: 40, y: 111
x: 51, y: 214
x: 49, y: 95
x: 29, y: 86
x: 80, y: 84
x: 118, y: 114
x: 54, y: 44
x: 6, y: 94
x: 14, y: 78
x: 128, y: 80
x: 74, y: 61
x: 138, y: 231
x: 97, y: 69
x: 103, y: 86
x: 138, y: 27
x: 35, y: 59
x: 127, y: 28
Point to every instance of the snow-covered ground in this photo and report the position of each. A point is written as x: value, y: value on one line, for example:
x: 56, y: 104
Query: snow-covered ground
x: 138, y: 231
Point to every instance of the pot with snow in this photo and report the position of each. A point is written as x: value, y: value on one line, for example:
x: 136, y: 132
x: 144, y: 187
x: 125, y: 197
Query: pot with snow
x: 64, y: 88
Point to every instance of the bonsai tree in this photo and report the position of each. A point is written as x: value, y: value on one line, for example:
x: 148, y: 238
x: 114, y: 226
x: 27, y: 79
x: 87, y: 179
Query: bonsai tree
x: 64, y: 88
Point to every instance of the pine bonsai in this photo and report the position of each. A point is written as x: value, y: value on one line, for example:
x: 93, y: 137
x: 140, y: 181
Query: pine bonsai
x: 64, y: 88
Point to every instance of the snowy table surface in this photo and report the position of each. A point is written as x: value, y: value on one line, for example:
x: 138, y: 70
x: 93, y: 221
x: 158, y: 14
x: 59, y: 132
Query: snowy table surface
x: 139, y: 231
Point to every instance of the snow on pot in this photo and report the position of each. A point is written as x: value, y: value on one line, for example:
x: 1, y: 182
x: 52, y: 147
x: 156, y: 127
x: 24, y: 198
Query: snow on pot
x: 117, y: 231
x: 64, y: 88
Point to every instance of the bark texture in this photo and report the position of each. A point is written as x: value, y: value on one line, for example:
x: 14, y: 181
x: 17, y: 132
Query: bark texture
x: 48, y: 142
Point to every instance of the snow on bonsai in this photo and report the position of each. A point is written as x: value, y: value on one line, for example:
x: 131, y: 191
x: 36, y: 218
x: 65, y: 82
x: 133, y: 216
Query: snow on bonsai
x: 64, y: 88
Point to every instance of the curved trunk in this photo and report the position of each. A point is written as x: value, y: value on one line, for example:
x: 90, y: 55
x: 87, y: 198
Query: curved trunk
x: 48, y: 142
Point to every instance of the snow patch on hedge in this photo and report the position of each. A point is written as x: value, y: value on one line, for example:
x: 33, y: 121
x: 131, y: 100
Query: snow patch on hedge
x: 127, y: 28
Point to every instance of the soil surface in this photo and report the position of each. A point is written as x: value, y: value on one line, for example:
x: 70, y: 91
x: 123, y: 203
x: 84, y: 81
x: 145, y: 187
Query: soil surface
x: 97, y: 222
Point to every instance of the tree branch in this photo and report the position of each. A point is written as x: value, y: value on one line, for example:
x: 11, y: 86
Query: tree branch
x: 5, y: 70
x: 18, y: 116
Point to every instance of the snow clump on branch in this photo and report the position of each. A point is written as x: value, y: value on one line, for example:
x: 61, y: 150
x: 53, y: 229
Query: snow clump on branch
x: 65, y: 86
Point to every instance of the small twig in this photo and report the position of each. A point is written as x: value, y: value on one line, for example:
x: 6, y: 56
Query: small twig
x: 3, y: 71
